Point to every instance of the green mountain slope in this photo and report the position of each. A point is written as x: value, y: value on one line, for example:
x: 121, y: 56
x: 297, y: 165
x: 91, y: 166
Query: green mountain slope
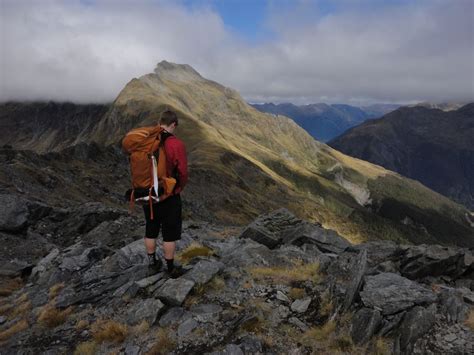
x: 244, y: 162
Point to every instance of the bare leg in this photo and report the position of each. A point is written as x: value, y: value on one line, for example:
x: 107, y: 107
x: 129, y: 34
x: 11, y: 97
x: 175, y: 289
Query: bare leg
x: 169, y: 249
x: 150, y: 245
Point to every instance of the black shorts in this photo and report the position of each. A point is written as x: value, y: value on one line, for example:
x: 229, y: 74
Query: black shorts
x: 167, y: 216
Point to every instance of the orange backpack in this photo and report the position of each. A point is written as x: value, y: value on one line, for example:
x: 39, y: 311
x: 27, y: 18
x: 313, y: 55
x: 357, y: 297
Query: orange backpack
x: 147, y: 157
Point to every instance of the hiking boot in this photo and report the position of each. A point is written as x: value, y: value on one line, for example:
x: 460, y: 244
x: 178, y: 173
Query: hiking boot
x: 154, y: 266
x: 176, y: 272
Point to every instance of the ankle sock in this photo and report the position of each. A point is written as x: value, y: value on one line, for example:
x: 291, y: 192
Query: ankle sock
x: 170, y: 264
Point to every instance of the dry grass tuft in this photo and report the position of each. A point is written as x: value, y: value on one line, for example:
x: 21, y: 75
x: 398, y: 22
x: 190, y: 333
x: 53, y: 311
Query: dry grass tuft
x: 52, y: 316
x: 254, y: 325
x: 192, y: 251
x: 327, y: 306
x: 20, y: 310
x: 296, y: 293
x: 140, y: 328
x: 470, y: 320
x: 315, y: 335
x: 342, y: 343
x: 55, y: 289
x: 164, y: 343
x: 8, y: 286
x: 217, y: 283
x: 298, y: 272
x: 86, y: 348
x: 381, y: 346
x: 109, y: 330
x: 15, y: 328
x: 82, y: 324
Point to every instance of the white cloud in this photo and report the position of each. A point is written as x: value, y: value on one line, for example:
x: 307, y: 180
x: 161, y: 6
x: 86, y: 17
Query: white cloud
x: 66, y: 50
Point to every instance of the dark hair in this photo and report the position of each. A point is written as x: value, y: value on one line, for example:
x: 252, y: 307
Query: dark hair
x: 168, y: 117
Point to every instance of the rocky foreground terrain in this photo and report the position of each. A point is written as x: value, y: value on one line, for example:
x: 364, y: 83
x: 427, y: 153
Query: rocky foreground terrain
x: 75, y: 279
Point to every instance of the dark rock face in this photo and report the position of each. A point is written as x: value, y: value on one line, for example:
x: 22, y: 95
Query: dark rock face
x: 429, y: 145
x: 392, y: 293
x: 364, y: 325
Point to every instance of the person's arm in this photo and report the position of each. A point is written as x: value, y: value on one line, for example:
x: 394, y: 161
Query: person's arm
x: 176, y: 152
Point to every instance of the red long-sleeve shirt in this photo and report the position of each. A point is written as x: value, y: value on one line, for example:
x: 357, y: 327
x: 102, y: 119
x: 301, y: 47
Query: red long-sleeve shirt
x: 176, y: 161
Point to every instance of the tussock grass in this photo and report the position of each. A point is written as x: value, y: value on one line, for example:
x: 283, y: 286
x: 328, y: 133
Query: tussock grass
x: 15, y: 328
x: 217, y: 283
x: 109, y: 330
x: 296, y: 293
x: 164, y: 343
x: 298, y: 272
x: 192, y: 251
x: 51, y: 316
x: 140, y: 328
x: 316, y: 335
x: 8, y: 286
x: 470, y: 320
x: 342, y: 343
x: 381, y: 346
x: 20, y: 310
x: 55, y: 289
x: 327, y: 306
x: 86, y: 348
x: 254, y: 325
x: 82, y: 324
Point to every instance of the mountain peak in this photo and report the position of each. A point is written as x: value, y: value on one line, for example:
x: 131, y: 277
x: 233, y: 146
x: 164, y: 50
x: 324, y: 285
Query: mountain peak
x: 181, y: 72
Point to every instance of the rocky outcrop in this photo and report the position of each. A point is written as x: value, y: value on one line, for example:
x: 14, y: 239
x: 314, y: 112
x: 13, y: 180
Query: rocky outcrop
x: 246, y: 296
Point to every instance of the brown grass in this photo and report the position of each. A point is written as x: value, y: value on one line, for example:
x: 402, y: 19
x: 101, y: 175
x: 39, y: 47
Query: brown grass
x: 470, y: 320
x: 298, y: 272
x: 86, y: 348
x: 20, y: 310
x: 8, y: 286
x: 381, y: 346
x: 15, y: 328
x: 296, y: 293
x: 55, y: 289
x: 141, y: 328
x: 342, y: 343
x: 164, y: 343
x: 313, y: 336
x: 82, y: 324
x: 51, y: 316
x: 217, y: 283
x: 327, y: 305
x: 109, y: 330
x: 192, y: 251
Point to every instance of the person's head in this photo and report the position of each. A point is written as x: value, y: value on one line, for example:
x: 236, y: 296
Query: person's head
x: 169, y: 120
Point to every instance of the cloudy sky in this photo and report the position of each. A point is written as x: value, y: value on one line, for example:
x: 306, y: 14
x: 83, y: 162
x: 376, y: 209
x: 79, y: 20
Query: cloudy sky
x: 346, y: 51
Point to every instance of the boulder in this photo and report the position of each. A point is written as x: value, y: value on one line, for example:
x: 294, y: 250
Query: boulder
x: 357, y: 272
x: 14, y: 213
x: 416, y: 322
x: 435, y: 260
x: 365, y: 324
x: 147, y: 309
x: 203, y: 271
x: 175, y: 291
x: 173, y: 316
x: 187, y: 327
x: 301, y: 305
x: 392, y: 293
x: 268, y: 229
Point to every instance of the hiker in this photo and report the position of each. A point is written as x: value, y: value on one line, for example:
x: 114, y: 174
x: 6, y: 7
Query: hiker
x: 162, y: 206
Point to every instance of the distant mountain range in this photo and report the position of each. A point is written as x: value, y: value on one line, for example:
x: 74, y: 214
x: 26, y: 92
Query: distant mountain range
x: 324, y: 121
x: 432, y: 146
x: 242, y: 163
